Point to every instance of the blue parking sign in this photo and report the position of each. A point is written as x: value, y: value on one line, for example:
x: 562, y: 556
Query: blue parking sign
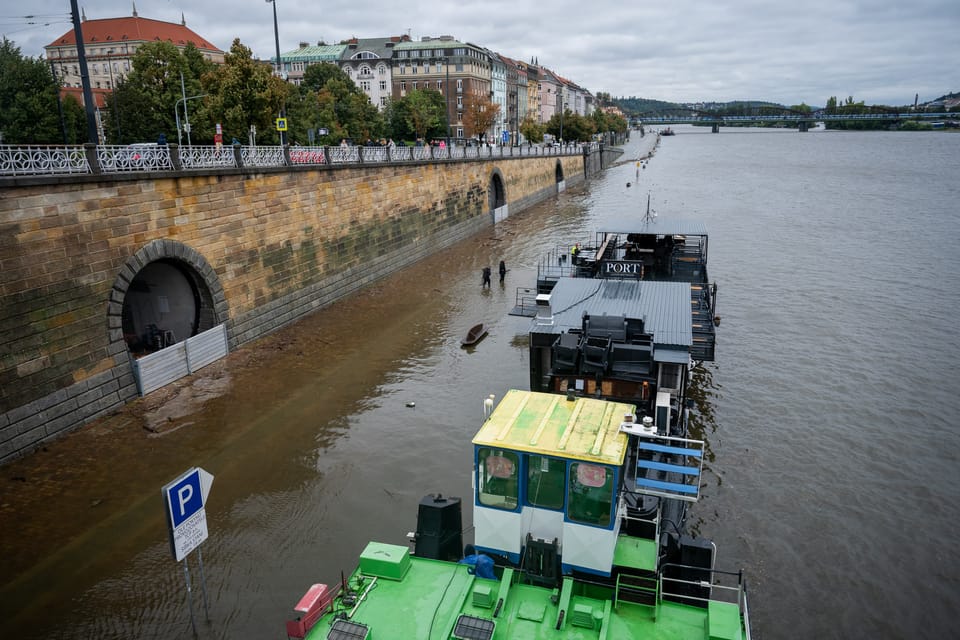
x: 184, y: 497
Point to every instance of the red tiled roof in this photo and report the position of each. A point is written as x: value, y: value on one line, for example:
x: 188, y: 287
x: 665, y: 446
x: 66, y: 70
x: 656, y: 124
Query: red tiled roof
x: 133, y: 29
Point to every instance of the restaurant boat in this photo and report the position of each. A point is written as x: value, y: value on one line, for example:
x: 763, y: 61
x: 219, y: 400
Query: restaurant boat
x: 558, y: 553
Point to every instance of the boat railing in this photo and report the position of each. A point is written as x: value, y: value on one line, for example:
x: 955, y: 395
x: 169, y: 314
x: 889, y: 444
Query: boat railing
x: 526, y: 302
x: 714, y: 585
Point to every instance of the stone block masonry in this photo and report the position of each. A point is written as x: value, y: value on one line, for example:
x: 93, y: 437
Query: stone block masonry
x: 270, y: 246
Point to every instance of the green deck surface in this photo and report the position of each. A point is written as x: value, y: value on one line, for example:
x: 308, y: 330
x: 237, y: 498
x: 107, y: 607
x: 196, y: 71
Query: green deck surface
x: 426, y: 602
x: 635, y: 552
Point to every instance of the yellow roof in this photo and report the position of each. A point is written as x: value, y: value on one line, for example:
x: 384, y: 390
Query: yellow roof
x: 551, y: 425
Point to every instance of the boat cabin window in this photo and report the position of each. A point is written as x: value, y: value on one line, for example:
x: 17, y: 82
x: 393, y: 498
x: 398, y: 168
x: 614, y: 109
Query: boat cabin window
x: 670, y: 376
x: 590, y: 494
x: 546, y: 478
x: 498, y: 478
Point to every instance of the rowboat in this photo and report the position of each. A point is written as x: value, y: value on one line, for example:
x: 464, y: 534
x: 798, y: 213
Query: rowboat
x: 475, y: 335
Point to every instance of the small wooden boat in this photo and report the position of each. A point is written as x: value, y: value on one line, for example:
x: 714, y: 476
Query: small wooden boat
x: 475, y: 335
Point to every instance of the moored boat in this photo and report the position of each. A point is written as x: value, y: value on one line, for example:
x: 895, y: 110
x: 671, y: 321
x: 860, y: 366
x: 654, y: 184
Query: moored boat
x: 475, y: 335
x: 559, y: 552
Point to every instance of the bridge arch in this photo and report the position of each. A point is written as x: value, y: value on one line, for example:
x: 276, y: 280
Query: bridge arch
x: 166, y: 286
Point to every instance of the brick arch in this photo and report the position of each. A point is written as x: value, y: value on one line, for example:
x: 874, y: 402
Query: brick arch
x: 496, y: 190
x: 213, y: 307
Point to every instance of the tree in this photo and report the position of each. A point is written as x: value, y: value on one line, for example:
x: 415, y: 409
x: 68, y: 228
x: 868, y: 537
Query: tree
x: 532, y: 130
x: 28, y: 99
x: 424, y: 112
x: 243, y: 93
x: 575, y: 127
x: 145, y: 104
x: 479, y: 114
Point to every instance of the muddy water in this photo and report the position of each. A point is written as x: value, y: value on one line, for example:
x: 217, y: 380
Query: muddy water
x: 310, y: 438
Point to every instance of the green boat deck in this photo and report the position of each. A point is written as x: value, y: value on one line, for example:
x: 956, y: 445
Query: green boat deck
x: 401, y: 597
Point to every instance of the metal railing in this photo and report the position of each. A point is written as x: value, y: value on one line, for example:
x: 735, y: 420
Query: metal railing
x: 39, y: 161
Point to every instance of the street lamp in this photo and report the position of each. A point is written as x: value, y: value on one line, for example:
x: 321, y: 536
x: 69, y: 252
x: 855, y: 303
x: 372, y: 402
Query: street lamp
x: 186, y: 115
x: 276, y: 35
x: 446, y: 93
x: 113, y: 92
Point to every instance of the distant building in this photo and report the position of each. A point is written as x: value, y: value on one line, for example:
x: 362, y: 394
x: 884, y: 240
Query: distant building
x: 429, y: 62
x: 109, y: 45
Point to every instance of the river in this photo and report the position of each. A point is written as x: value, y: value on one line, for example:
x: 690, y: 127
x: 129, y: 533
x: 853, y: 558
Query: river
x: 829, y: 412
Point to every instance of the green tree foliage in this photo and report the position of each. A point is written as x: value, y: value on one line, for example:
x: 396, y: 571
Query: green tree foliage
x: 142, y: 105
x: 424, y: 113
x: 575, y: 127
x: 28, y: 99
x: 242, y: 93
x: 328, y: 99
x: 532, y: 130
x: 604, y: 122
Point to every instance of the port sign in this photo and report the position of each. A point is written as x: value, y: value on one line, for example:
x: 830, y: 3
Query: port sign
x: 184, y: 499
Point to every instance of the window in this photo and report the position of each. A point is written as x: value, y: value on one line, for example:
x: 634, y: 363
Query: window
x: 383, y: 85
x: 498, y: 478
x: 403, y: 85
x: 590, y: 494
x: 546, y: 478
x: 438, y: 66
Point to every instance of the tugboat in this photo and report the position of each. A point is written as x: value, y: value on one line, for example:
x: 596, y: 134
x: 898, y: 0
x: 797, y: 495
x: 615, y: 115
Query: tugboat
x: 561, y: 550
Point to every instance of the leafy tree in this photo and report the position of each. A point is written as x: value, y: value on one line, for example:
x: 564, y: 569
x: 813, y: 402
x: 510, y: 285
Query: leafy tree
x: 479, y: 114
x: 243, y: 93
x: 532, y: 130
x: 145, y: 104
x: 425, y: 109
x: 575, y: 127
x: 28, y: 99
x: 395, y: 114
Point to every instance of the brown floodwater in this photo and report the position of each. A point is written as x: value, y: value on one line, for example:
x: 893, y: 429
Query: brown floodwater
x: 311, y: 439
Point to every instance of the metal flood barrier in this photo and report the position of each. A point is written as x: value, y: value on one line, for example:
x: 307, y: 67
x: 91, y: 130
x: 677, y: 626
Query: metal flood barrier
x: 176, y: 361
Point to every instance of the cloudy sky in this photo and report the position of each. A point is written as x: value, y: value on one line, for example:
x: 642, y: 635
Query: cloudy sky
x: 877, y: 51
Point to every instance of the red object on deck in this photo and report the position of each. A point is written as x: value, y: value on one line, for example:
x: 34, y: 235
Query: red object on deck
x: 312, y: 605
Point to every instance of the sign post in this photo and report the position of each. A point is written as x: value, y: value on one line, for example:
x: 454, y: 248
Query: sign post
x: 184, y: 499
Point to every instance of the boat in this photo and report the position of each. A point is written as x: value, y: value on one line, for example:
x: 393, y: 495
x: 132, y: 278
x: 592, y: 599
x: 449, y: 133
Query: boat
x: 475, y: 335
x: 627, y: 319
x: 667, y: 132
x: 646, y: 247
x: 558, y: 553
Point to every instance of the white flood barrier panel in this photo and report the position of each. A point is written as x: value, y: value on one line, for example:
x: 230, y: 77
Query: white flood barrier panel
x: 176, y: 361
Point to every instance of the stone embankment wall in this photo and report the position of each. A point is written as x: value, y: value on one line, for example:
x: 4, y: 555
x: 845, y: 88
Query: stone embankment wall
x: 270, y: 246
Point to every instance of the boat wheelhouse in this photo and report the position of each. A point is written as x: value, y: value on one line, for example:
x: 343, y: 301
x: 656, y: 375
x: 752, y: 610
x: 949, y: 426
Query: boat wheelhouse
x: 551, y: 481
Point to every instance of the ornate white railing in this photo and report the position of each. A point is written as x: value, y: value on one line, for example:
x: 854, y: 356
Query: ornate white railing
x: 206, y: 157
x: 33, y: 161
x: 126, y: 159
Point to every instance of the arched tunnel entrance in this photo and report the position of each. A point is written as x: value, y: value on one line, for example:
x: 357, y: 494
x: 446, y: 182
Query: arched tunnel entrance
x: 163, y: 306
x: 169, y: 309
x: 497, y: 197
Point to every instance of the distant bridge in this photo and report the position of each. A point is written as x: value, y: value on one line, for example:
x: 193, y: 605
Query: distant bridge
x: 781, y: 115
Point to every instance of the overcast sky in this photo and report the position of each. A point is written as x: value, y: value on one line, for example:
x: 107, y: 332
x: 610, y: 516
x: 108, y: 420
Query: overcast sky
x: 877, y: 51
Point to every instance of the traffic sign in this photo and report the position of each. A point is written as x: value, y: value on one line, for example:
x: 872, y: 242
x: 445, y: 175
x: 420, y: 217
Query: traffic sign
x: 281, y: 124
x: 184, y: 499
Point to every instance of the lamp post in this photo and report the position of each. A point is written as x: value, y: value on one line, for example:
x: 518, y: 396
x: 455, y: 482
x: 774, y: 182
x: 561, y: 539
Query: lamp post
x: 561, y: 121
x: 446, y: 93
x: 276, y: 36
x: 113, y: 92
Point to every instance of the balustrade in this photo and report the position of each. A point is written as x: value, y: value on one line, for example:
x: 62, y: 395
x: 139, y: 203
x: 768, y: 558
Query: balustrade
x: 34, y: 161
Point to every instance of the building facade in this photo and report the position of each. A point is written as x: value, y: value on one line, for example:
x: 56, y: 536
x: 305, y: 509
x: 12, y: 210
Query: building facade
x: 109, y: 45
